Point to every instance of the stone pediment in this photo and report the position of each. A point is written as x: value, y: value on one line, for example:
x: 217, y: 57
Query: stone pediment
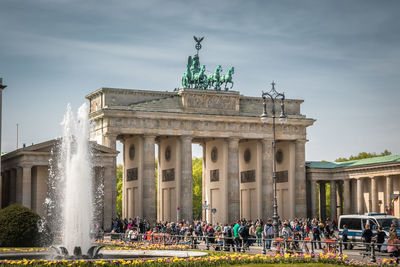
x: 48, y: 146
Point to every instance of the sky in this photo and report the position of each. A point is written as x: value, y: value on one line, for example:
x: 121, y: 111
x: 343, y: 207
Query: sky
x: 341, y: 57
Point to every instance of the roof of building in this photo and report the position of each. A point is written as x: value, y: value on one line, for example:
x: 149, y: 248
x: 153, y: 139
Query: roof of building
x: 352, y: 163
x: 47, y: 146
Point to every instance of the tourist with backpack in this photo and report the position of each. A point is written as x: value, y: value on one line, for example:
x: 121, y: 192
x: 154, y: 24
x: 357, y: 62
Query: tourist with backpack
x: 268, y: 234
x: 238, y: 241
x: 316, y: 234
x: 228, y: 238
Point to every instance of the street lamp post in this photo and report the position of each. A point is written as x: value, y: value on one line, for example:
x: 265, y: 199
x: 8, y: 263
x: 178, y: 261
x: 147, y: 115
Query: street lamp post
x: 274, y: 96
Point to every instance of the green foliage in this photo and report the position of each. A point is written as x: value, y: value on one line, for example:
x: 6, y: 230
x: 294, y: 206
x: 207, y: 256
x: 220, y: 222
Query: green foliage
x: 120, y: 170
x: 197, y: 170
x: 18, y: 226
x: 364, y: 155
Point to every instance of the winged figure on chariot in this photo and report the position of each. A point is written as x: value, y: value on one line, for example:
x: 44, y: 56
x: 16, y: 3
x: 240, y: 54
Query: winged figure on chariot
x: 195, y: 76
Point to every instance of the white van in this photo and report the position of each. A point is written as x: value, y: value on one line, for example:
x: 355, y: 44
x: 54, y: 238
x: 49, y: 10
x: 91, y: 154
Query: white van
x: 356, y: 223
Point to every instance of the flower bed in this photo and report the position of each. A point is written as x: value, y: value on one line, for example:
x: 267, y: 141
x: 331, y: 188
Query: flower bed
x: 230, y: 259
x: 121, y: 245
x: 227, y: 259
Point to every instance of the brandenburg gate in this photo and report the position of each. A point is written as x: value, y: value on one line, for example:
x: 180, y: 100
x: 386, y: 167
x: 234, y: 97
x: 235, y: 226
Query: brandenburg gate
x: 237, y: 149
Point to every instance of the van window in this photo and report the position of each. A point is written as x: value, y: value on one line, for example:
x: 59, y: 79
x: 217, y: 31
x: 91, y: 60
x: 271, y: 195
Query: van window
x: 370, y: 222
x: 387, y: 222
x: 352, y: 223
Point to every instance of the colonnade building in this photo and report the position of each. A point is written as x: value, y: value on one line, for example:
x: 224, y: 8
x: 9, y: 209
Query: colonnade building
x: 358, y: 186
x: 25, y: 178
x: 237, y: 152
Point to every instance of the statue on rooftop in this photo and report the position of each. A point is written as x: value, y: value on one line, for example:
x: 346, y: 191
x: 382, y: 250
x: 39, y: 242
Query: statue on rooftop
x: 195, y: 76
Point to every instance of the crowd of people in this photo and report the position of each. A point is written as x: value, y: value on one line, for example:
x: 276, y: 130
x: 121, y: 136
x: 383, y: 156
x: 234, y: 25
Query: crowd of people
x: 236, y: 236
x: 242, y: 234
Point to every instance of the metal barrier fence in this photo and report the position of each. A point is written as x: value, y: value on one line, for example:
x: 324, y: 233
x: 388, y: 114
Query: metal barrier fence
x: 281, y: 246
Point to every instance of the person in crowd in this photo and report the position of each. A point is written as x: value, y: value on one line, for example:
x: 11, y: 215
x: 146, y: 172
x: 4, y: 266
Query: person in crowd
x: 327, y: 230
x: 345, y: 236
x: 268, y: 234
x: 243, y: 232
x: 238, y: 241
x: 393, y: 245
x: 228, y: 238
x: 367, y: 237
x: 259, y: 233
x: 316, y: 231
x: 380, y: 237
x: 252, y: 234
x: 392, y: 229
x: 304, y: 230
x: 198, y: 230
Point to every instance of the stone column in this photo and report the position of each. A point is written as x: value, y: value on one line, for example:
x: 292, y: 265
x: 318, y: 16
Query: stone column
x: 313, y: 185
x: 374, y: 195
x: 186, y: 189
x: 26, y: 186
x: 110, y: 140
x: 291, y: 182
x: 389, y: 189
x: 13, y: 186
x: 149, y: 187
x: 339, y: 198
x: 19, y: 185
x: 267, y: 179
x: 233, y: 180
x: 300, y: 180
x: 159, y: 181
x: 333, y: 200
x: 347, y: 196
x: 108, y: 176
x: 360, y: 196
x: 322, y: 201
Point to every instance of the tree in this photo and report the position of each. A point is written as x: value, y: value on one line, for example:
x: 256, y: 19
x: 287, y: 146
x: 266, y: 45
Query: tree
x: 120, y: 169
x: 197, y: 170
x: 364, y: 155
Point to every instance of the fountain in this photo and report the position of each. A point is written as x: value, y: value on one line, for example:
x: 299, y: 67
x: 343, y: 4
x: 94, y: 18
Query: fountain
x: 75, y: 186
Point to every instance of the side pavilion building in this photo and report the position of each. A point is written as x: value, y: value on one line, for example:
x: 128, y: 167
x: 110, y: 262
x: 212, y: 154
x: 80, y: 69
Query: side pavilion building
x: 25, y: 179
x: 359, y: 186
x: 237, y: 152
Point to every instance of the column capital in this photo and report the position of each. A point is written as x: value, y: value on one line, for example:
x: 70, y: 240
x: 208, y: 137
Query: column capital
x: 25, y: 166
x: 110, y: 135
x: 186, y: 138
x: 149, y: 136
x: 233, y: 141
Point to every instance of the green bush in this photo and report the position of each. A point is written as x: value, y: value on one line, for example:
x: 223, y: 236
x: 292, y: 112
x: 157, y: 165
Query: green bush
x: 18, y: 226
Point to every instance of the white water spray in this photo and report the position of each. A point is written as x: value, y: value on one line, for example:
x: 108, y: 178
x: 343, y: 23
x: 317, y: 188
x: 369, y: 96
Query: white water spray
x: 76, y: 172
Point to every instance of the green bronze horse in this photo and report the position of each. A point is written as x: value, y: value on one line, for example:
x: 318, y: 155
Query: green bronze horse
x: 200, y: 79
x: 227, y: 78
x: 187, y: 76
x: 213, y: 80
